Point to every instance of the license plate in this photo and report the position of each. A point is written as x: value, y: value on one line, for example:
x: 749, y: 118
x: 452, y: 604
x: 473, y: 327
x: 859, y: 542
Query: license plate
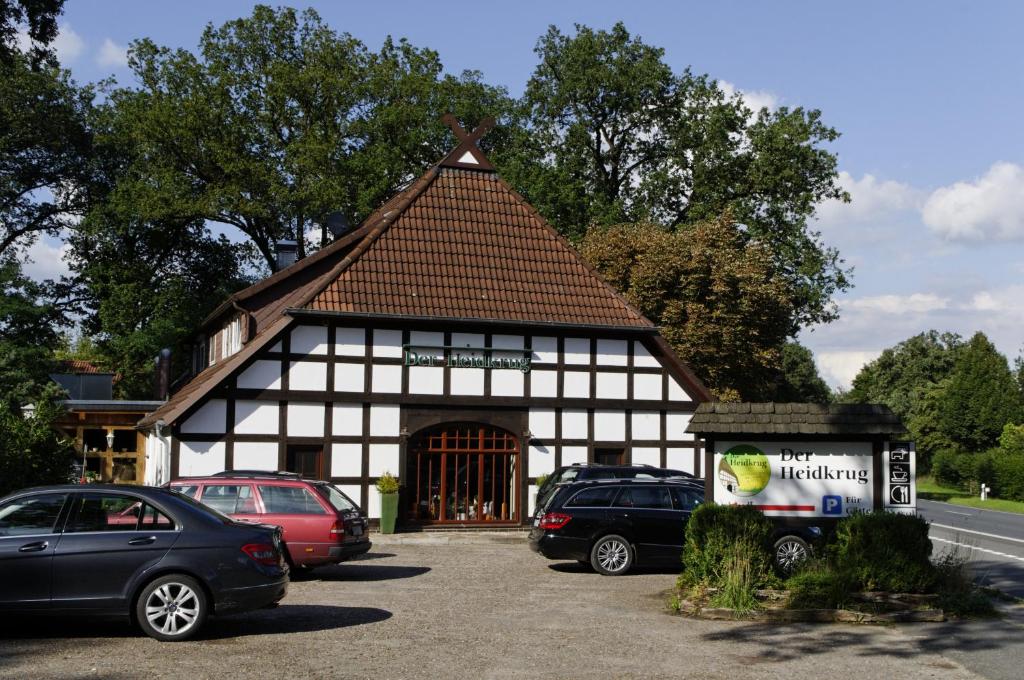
x: 536, y: 522
x: 357, y: 530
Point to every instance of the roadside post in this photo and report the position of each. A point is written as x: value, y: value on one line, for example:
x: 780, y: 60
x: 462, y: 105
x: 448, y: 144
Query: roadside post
x: 807, y: 464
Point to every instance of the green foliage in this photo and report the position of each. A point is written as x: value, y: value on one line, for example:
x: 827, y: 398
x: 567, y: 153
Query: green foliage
x: 45, y: 147
x: 958, y: 596
x: 1012, y: 438
x: 884, y: 551
x: 38, y: 18
x: 387, y: 483
x: 711, y: 290
x: 799, y: 379
x: 740, y: 577
x: 727, y: 542
x: 31, y: 451
x: 819, y: 585
x: 620, y: 138
x: 980, y: 398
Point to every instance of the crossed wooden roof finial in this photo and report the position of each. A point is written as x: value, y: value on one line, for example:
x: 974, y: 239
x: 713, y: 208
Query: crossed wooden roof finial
x: 467, y: 154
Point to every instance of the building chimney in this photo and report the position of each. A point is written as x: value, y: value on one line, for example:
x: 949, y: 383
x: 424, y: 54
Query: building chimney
x: 287, y: 253
x: 337, y: 224
x: 162, y: 379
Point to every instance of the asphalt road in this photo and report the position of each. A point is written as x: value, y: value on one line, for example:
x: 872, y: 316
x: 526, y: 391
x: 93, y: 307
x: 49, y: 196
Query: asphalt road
x: 992, y: 541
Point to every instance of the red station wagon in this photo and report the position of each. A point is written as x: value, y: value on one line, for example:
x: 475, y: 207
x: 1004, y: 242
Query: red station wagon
x: 321, y: 525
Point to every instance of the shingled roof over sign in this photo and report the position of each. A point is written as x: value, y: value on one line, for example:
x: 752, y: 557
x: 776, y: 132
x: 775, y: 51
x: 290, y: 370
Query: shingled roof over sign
x: 814, y: 419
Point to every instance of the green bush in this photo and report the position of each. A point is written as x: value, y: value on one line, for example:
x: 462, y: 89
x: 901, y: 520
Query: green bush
x: 957, y: 593
x: 884, y: 551
x: 819, y: 585
x: 1001, y: 469
x: 32, y: 453
x: 740, y: 578
x: 1008, y: 475
x: 717, y: 534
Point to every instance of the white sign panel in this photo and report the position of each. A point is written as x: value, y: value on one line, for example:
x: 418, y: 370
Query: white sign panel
x: 800, y: 479
x: 900, y: 470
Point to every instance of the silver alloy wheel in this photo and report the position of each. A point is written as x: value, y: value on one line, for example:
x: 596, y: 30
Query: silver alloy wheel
x: 172, y: 609
x: 612, y: 555
x: 790, y: 554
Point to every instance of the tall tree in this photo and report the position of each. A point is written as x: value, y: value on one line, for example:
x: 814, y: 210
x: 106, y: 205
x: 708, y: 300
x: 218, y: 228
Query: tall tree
x: 37, y: 18
x: 278, y: 120
x: 31, y: 450
x: 45, y: 146
x: 981, y: 396
x: 621, y: 137
x: 711, y: 289
x: 798, y: 378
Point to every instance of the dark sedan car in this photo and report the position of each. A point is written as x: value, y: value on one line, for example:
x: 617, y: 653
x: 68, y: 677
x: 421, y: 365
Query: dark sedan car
x: 613, y: 524
x: 154, y: 555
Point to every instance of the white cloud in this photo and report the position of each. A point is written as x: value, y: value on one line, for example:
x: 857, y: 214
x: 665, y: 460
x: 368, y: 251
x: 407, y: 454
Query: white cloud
x: 916, y: 303
x: 68, y: 45
x: 754, y: 99
x: 870, y: 199
x: 841, y: 367
x: 45, y: 259
x: 1008, y: 300
x: 989, y: 207
x: 112, y: 54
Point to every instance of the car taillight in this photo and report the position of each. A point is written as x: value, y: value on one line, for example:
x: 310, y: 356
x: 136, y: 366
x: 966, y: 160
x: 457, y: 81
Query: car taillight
x: 554, y: 520
x: 337, y: 529
x: 264, y: 553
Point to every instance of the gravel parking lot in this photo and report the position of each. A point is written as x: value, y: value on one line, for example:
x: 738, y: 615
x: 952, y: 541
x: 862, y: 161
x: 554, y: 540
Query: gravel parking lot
x: 477, y: 611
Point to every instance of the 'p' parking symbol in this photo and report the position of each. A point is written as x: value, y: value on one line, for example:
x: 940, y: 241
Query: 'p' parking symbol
x: 832, y: 505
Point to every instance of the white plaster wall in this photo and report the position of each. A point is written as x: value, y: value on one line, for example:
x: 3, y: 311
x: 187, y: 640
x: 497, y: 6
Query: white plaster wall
x: 468, y: 381
x: 612, y: 352
x: 680, y: 459
x: 261, y: 375
x: 542, y: 423
x: 577, y: 350
x: 347, y: 461
x: 347, y: 419
x: 511, y: 342
x: 574, y: 424
x: 463, y: 340
x: 609, y: 426
x: 256, y: 417
x: 349, y: 378
x: 350, y: 342
x: 506, y: 383
x: 574, y: 454
x: 387, y: 343
x: 576, y: 384
x: 306, y: 419
x: 646, y: 425
x: 426, y: 338
x: 197, y: 459
x: 543, y: 383
x: 531, y: 500
x: 387, y: 379
x: 542, y: 460
x: 384, y: 422
x: 545, y: 350
x: 675, y: 426
x: 353, y: 491
x: 373, y: 503
x: 255, y: 456
x: 210, y: 417
x: 676, y: 391
x: 309, y: 340
x: 611, y: 385
x: 642, y: 358
x: 383, y: 458
x: 307, y: 375
x: 276, y: 347
x: 644, y: 455
x: 426, y: 380
x: 647, y: 386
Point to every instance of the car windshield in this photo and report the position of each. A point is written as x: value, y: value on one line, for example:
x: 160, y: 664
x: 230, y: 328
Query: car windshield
x: 336, y: 498
x: 217, y: 514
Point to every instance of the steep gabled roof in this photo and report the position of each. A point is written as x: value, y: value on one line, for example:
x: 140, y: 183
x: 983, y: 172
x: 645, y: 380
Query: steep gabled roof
x: 796, y: 418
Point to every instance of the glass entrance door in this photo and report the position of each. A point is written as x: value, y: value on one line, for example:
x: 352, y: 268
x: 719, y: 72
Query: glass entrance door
x: 464, y: 474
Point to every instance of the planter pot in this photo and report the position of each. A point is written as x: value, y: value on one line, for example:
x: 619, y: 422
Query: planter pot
x: 388, y: 512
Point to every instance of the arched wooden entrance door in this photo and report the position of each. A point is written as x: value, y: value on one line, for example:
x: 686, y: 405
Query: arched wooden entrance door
x: 463, y: 473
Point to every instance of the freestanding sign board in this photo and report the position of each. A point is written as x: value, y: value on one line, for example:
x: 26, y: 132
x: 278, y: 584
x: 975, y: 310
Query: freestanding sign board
x: 806, y: 462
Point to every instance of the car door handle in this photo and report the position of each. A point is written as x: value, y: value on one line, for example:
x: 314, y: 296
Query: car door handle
x: 34, y: 547
x: 142, y: 540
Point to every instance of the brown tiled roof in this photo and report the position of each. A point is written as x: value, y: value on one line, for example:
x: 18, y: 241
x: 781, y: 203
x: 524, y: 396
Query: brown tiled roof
x: 773, y: 418
x: 78, y: 366
x: 469, y: 247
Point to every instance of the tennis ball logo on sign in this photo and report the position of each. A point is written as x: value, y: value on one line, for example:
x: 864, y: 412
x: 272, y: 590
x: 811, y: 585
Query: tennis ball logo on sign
x: 744, y: 470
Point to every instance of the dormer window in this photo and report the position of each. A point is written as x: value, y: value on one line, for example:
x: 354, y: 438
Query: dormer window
x: 231, y: 337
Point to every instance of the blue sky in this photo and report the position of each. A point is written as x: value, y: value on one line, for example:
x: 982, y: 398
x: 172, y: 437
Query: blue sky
x: 928, y: 97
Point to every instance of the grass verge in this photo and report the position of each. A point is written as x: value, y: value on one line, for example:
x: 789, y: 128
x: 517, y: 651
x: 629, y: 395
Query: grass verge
x: 929, y: 489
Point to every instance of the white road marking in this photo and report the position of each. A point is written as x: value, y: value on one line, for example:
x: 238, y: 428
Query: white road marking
x: 979, y: 533
x: 954, y: 512
x: 984, y: 550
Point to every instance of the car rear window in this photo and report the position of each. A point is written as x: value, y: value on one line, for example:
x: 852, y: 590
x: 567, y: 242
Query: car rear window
x: 598, y: 497
x: 190, y: 490
x: 290, y: 500
x: 651, y: 497
x: 336, y: 498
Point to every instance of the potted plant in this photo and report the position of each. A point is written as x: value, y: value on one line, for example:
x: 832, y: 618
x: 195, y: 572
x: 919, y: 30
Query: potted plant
x: 387, y: 486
